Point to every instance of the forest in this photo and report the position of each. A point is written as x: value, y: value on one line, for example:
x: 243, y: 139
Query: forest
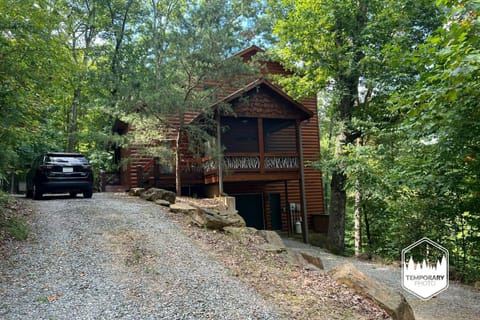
x: 398, y: 85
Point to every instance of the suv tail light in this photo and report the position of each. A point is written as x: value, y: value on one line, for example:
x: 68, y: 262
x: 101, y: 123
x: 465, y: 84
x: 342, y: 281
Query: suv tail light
x: 87, y: 167
x: 46, y: 167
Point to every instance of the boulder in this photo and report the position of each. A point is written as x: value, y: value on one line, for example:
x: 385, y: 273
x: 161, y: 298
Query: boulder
x: 162, y: 202
x: 136, y: 192
x: 392, y: 301
x: 305, y: 259
x: 274, y: 242
x: 296, y: 258
x: 217, y: 220
x: 183, y: 208
x: 240, y: 232
x: 312, y: 259
x: 153, y: 194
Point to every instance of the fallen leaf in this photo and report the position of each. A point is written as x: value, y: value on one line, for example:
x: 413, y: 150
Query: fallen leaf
x: 54, y: 297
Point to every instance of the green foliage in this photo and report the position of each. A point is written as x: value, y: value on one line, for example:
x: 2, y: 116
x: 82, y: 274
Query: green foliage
x: 439, y: 153
x: 17, y: 228
x: 354, y: 52
x: 415, y: 66
x: 30, y: 75
x: 11, y: 225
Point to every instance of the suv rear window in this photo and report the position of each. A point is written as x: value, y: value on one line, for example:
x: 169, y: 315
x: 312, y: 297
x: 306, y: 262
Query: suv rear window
x: 66, y: 160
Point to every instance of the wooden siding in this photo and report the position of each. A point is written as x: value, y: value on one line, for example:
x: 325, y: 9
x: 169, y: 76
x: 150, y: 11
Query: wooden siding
x: 263, y: 103
x: 310, y: 145
x: 311, y: 153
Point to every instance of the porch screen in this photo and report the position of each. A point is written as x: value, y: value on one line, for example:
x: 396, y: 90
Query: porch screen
x: 240, y: 134
x: 279, y: 135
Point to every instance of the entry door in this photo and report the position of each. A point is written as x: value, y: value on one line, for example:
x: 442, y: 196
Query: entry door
x: 250, y: 207
x: 275, y: 211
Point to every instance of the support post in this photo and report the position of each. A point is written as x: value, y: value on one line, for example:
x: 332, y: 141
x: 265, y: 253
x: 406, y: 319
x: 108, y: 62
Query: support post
x: 302, y: 185
x: 219, y: 156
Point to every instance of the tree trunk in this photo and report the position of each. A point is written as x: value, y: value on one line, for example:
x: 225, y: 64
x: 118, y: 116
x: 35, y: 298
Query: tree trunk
x: 367, y: 227
x: 336, y: 226
x: 357, y: 213
x: 72, y: 130
x: 357, y: 221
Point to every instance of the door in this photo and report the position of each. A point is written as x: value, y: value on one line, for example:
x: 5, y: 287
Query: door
x: 250, y: 207
x: 275, y: 211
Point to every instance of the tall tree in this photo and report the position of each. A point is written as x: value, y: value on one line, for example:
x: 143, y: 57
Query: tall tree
x: 188, y: 45
x: 346, y: 43
x: 32, y: 69
x: 442, y: 126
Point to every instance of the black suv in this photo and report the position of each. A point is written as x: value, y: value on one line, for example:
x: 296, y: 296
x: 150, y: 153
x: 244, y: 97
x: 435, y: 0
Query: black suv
x: 60, y: 173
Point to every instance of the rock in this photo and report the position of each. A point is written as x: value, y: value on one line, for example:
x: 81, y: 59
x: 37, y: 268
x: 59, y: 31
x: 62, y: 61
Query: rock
x: 136, y: 191
x: 305, y: 259
x: 393, y: 302
x: 296, y: 258
x: 162, y: 202
x: 312, y: 259
x: 274, y: 242
x: 217, y: 220
x: 268, y: 247
x: 240, y: 232
x: 183, y: 208
x: 153, y: 194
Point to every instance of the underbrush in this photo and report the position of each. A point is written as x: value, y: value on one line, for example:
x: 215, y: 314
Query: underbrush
x: 12, y: 222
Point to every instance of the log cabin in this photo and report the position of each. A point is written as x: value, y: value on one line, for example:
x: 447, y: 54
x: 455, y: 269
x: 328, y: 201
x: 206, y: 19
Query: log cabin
x: 267, y: 144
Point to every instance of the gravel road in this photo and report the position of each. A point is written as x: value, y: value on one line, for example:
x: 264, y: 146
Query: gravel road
x: 113, y: 257
x: 458, y: 302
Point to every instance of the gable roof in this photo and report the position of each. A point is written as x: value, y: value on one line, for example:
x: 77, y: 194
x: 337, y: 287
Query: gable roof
x: 250, y: 51
x: 305, y: 113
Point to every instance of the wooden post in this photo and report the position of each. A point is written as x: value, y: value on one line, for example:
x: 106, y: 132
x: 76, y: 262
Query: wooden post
x: 302, y: 184
x: 103, y: 181
x: 219, y: 156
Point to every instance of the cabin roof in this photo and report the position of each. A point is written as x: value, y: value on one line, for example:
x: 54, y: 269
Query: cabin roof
x: 306, y: 113
x: 250, y: 51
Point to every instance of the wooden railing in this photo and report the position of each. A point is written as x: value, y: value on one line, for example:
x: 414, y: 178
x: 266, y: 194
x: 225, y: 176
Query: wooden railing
x: 149, y: 174
x: 253, y: 161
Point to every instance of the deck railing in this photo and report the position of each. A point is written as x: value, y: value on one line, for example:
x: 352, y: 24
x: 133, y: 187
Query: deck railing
x: 254, y: 161
x: 232, y: 162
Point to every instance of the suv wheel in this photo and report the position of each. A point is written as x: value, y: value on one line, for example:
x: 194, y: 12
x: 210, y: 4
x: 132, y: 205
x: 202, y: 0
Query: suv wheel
x: 87, y: 194
x: 29, y: 194
x: 37, y: 193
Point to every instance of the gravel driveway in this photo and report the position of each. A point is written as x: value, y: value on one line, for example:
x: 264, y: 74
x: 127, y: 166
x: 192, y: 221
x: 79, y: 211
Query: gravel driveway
x: 113, y: 257
x: 458, y: 302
